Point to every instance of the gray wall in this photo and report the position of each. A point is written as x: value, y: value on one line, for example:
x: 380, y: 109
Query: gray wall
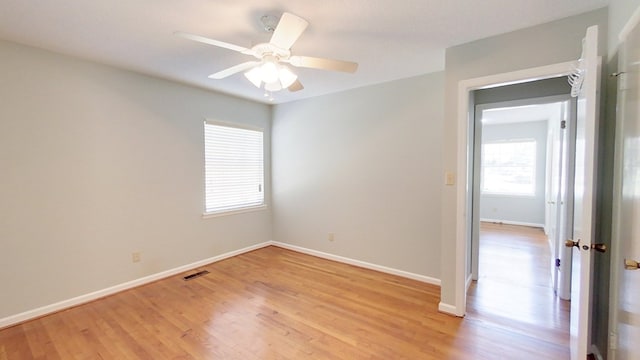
x: 518, y: 209
x: 365, y: 165
x: 620, y: 12
x: 550, y: 43
x: 98, y: 163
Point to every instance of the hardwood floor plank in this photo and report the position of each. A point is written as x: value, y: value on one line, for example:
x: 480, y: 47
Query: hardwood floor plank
x: 514, y: 291
x: 271, y: 303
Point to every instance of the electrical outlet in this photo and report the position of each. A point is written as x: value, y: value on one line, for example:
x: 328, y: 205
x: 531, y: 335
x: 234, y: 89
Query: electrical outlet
x: 331, y: 237
x: 135, y: 257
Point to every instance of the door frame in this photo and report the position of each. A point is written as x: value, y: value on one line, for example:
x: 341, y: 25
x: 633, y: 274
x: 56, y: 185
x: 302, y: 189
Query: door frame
x: 464, y: 190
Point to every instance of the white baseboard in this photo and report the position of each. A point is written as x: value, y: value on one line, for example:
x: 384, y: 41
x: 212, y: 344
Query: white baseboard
x: 507, y: 222
x: 362, y: 264
x: 82, y: 299
x: 447, y: 309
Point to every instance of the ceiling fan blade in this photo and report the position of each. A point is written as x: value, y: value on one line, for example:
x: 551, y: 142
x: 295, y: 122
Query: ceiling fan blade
x: 234, y: 69
x: 288, y: 31
x: 323, y: 64
x: 296, y: 86
x: 217, y: 43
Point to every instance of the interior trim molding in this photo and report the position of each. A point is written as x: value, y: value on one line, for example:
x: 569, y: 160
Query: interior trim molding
x: 362, y: 264
x: 448, y: 309
x: 82, y: 299
x: 508, y: 222
x: 463, y: 192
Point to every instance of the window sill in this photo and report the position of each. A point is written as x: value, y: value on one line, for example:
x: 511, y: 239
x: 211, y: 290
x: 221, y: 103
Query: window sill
x: 233, y: 212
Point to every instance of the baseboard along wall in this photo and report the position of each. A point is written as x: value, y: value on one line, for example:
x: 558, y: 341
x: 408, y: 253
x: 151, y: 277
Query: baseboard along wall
x: 83, y: 299
x: 362, y: 264
x: 507, y: 222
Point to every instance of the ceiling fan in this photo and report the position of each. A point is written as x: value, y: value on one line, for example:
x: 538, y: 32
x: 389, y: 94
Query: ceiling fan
x: 269, y: 70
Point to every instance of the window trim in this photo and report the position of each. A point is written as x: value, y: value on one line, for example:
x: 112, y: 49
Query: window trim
x: 215, y: 214
x: 239, y: 210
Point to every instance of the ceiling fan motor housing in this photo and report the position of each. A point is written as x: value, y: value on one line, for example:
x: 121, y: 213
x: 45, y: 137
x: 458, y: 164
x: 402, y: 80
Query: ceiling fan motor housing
x: 261, y: 51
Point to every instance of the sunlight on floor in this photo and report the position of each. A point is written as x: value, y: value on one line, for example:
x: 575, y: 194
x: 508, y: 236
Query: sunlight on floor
x: 514, y: 285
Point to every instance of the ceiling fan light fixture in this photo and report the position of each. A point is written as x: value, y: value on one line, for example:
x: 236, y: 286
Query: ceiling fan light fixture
x: 273, y: 86
x: 287, y: 77
x: 255, y: 76
x: 270, y: 71
x: 274, y: 76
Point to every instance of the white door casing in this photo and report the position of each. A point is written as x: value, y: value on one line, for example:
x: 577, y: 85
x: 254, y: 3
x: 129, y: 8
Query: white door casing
x: 464, y: 153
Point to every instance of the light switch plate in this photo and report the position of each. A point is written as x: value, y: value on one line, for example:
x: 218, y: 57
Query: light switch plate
x: 449, y: 178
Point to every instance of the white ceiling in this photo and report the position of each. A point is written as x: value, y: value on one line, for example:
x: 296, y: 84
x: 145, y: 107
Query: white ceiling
x: 389, y: 39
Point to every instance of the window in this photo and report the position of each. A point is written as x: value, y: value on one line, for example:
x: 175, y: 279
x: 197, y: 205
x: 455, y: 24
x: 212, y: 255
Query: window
x: 234, y: 176
x: 509, y: 167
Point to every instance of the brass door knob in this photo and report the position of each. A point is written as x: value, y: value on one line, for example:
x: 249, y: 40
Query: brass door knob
x: 570, y: 243
x: 599, y: 247
x: 631, y: 264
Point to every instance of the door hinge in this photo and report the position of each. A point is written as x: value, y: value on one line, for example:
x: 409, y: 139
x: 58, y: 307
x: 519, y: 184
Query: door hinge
x: 563, y: 124
x: 613, y: 340
x: 557, y: 262
x: 622, y: 81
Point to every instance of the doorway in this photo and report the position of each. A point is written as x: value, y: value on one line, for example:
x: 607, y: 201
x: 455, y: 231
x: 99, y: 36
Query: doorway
x: 520, y: 179
x: 467, y: 90
x: 523, y: 170
x: 585, y: 75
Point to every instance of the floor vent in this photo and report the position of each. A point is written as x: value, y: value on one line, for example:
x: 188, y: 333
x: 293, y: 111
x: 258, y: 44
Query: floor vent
x: 198, y: 274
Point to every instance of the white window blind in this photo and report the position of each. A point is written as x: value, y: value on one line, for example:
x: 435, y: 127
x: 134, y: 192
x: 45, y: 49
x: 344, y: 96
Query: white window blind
x: 509, y: 167
x: 234, y: 170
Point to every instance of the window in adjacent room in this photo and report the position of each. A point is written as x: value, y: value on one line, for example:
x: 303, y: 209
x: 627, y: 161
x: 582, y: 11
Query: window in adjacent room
x: 509, y: 167
x: 234, y: 168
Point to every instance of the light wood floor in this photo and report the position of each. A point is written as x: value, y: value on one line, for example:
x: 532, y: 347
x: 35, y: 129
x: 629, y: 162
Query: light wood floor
x: 515, y: 290
x: 273, y: 304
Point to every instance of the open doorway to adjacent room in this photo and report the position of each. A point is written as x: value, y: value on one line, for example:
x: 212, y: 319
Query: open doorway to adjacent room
x: 520, y: 271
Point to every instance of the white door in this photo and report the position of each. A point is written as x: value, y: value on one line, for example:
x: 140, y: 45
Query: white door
x: 584, y: 199
x: 627, y: 222
x: 565, y: 202
x: 559, y: 185
x: 552, y: 183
